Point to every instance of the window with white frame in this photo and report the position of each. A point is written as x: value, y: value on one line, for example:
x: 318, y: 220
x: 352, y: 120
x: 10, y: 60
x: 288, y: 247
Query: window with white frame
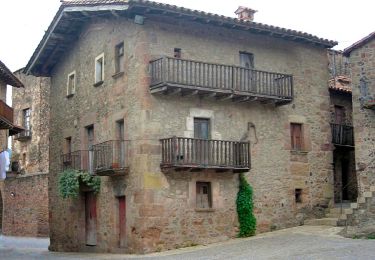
x: 71, y: 84
x: 99, y: 69
x: 119, y: 57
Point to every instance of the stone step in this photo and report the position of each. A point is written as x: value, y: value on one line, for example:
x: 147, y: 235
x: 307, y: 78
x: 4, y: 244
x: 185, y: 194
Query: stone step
x: 367, y: 194
x: 372, y: 188
x: 322, y: 222
x: 333, y: 215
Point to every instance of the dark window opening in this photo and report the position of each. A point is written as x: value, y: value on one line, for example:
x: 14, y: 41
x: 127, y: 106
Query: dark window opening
x: 203, y: 195
x: 202, y: 128
x: 27, y: 119
x: 298, y: 195
x: 177, y: 53
x: 339, y: 115
x: 119, y: 57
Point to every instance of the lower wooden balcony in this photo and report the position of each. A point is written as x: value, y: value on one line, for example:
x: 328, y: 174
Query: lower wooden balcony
x: 23, y: 136
x: 105, y: 159
x: 191, y: 154
x: 6, y: 116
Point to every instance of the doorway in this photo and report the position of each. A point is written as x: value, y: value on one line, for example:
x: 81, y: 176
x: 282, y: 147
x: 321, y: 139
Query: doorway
x: 90, y: 218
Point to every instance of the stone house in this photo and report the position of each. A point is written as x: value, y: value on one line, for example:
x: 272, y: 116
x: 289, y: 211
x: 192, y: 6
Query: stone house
x: 168, y: 105
x: 7, y: 128
x: 30, y: 148
x: 361, y: 57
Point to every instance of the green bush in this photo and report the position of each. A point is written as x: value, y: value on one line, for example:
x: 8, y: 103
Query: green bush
x: 70, y: 180
x: 245, y: 207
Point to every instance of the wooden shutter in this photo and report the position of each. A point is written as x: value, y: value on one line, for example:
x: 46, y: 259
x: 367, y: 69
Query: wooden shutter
x: 90, y: 210
x: 296, y: 136
x: 203, y: 195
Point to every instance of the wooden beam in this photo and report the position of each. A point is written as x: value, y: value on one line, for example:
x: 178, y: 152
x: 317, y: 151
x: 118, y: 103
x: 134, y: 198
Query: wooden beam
x: 224, y: 97
x: 115, y: 14
x: 241, y: 99
x: 189, y: 93
x: 208, y: 95
x: 172, y: 91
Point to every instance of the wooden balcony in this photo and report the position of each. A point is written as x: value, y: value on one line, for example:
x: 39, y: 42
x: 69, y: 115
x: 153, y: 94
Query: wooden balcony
x: 23, y: 136
x: 111, y: 158
x: 342, y: 135
x: 6, y: 115
x: 105, y: 159
x: 180, y: 153
x: 223, y: 82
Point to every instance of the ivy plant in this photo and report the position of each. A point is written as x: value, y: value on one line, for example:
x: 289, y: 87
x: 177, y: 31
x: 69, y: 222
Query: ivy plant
x: 70, y: 180
x: 245, y: 208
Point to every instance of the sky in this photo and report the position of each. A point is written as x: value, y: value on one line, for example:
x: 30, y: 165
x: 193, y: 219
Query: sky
x: 25, y: 21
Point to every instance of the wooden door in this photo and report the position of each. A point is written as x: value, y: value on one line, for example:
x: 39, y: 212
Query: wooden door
x: 121, y: 144
x: 90, y: 143
x: 203, y: 195
x: 202, y: 134
x: 90, y: 218
x: 122, y: 220
x: 339, y: 115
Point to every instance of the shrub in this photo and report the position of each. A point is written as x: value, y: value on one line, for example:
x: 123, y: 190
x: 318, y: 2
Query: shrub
x: 245, y: 207
x: 70, y: 180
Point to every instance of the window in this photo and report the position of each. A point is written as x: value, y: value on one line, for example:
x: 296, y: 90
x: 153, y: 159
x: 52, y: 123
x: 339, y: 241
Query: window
x: 247, y: 60
x: 203, y: 195
x: 298, y: 195
x: 296, y: 136
x: 26, y: 119
x: 68, y: 145
x: 177, y: 53
x: 90, y: 136
x: 119, y: 58
x: 120, y: 132
x: 71, y: 84
x: 201, y: 128
x: 99, y: 69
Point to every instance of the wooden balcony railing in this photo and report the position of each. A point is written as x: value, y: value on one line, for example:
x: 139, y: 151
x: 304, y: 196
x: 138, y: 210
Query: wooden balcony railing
x: 188, y: 77
x: 191, y: 153
x: 105, y: 159
x: 111, y: 157
x: 6, y: 112
x: 342, y: 135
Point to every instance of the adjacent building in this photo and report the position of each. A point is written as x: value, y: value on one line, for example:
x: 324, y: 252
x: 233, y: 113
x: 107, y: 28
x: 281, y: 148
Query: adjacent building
x: 168, y: 105
x: 362, y: 64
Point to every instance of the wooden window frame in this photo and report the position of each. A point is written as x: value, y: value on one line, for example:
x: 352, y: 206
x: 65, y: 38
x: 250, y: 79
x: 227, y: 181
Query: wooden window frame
x: 118, y: 57
x: 198, y: 186
x: 71, y: 90
x: 26, y: 118
x: 177, y: 53
x: 98, y: 82
x: 203, y: 119
x: 293, y: 141
x: 252, y: 58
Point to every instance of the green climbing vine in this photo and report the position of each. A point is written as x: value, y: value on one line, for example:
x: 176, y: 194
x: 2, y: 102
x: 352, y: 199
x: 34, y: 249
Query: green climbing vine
x: 70, y: 180
x: 245, y: 207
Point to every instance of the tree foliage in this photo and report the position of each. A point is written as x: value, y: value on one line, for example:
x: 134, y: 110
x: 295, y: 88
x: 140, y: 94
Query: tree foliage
x: 245, y: 207
x: 70, y: 180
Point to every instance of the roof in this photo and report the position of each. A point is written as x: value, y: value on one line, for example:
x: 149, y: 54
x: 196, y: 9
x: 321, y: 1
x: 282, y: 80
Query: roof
x: 8, y: 77
x: 340, y: 83
x: 359, y: 43
x: 72, y: 14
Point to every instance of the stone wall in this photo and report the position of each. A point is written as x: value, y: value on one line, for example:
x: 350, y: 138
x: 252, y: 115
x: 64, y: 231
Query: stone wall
x: 3, y: 132
x: 362, y: 62
x: 161, y: 212
x: 32, y: 152
x: 25, y: 205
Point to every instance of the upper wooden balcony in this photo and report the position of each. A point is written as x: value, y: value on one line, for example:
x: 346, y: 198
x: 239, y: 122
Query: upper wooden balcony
x: 239, y: 84
x: 110, y: 158
x: 6, y: 114
x: 342, y: 135
x: 180, y: 153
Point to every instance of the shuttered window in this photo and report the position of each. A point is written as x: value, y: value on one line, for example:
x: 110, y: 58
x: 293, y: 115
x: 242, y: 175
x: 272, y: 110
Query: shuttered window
x: 296, y: 136
x: 204, y: 200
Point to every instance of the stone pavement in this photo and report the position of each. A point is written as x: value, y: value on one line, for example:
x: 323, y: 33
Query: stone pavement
x: 305, y: 242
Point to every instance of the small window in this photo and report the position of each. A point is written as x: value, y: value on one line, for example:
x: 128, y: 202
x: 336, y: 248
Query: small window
x: 177, y: 53
x: 71, y: 84
x: 203, y: 194
x: 296, y: 136
x: 247, y: 60
x: 68, y: 145
x: 99, y: 69
x: 119, y: 58
x: 90, y: 137
x: 27, y: 119
x: 298, y: 195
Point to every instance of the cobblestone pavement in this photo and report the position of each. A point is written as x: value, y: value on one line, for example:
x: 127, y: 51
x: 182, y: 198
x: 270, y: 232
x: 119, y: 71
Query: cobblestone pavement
x: 304, y: 242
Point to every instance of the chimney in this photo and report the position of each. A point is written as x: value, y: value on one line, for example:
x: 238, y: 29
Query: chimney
x: 245, y: 13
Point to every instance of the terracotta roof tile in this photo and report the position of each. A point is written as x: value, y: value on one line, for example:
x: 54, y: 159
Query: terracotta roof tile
x: 341, y: 83
x: 359, y: 43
